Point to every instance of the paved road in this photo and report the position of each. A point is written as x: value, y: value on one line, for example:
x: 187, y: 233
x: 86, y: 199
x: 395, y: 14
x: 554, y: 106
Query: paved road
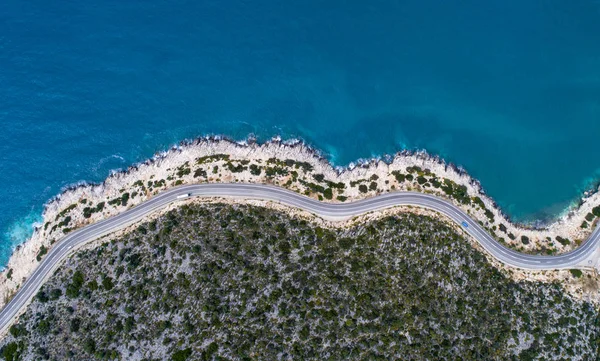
x: 339, y: 211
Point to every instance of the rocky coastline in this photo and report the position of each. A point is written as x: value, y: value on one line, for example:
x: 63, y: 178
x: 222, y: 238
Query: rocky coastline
x: 301, y: 168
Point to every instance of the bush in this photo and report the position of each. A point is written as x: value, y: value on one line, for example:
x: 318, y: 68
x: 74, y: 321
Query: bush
x: 328, y: 193
x: 89, y: 346
x: 125, y: 199
x: 255, y: 170
x: 363, y: 188
x: 11, y: 352
x: 74, y: 324
x: 576, y: 273
x: 210, y: 350
x: 318, y: 177
x: 107, y: 283
x: 373, y: 186
x: 92, y: 285
x: 55, y: 294
x: 589, y: 217
x: 18, y: 330
x: 74, y: 287
x: 182, y: 355
x: 524, y: 239
x: 43, y: 327
x: 339, y: 185
x: 199, y: 173
x: 562, y: 241
x: 596, y: 211
x: 479, y: 202
x: 235, y: 169
x: 43, y: 251
x: 42, y: 296
x: 399, y: 176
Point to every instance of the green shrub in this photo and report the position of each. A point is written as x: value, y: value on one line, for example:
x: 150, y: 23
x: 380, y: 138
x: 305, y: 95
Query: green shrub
x: 43, y: 327
x: 199, y: 173
x: 235, y: 169
x: 576, y: 273
x: 125, y: 198
x: 212, y: 158
x: 479, y: 202
x: 399, y: 176
x: 55, y: 294
x: 74, y: 324
x: 92, y: 285
x: 11, y: 352
x: 182, y: 355
x: 42, y: 296
x: 255, y: 170
x: 74, y: 287
x: 43, y: 251
x: 318, y: 177
x: 489, y: 214
x: 373, y: 186
x: 273, y: 171
x: 338, y: 185
x: 107, y: 283
x: 18, y: 330
x: 562, y: 241
x: 182, y: 171
x: 89, y: 345
x: 524, y: 239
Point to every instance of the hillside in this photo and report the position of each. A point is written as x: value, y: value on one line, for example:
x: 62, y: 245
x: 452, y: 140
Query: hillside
x: 242, y: 282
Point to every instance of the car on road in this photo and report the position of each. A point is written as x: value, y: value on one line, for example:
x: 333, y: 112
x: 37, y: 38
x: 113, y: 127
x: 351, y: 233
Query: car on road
x: 465, y: 224
x: 181, y: 196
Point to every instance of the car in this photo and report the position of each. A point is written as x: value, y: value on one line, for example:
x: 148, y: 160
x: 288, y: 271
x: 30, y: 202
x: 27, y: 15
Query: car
x: 184, y: 195
x: 465, y: 224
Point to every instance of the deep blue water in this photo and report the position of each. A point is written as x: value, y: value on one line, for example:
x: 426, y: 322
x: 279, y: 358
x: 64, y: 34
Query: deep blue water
x: 508, y: 89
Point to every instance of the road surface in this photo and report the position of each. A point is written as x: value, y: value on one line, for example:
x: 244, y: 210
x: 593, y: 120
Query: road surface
x: 580, y: 258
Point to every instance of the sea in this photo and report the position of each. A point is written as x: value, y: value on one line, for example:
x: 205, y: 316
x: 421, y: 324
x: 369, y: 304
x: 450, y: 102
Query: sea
x: 507, y: 89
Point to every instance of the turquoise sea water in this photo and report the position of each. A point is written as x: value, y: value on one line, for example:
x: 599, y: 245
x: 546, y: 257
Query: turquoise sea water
x: 508, y: 89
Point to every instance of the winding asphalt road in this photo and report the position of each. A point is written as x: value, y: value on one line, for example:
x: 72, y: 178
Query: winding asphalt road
x: 579, y: 258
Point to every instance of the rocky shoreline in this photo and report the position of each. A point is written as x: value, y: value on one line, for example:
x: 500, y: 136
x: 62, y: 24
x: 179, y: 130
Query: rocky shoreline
x: 301, y: 168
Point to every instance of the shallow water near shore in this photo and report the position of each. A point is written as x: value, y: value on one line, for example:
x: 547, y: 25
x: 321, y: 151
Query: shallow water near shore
x: 508, y: 90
